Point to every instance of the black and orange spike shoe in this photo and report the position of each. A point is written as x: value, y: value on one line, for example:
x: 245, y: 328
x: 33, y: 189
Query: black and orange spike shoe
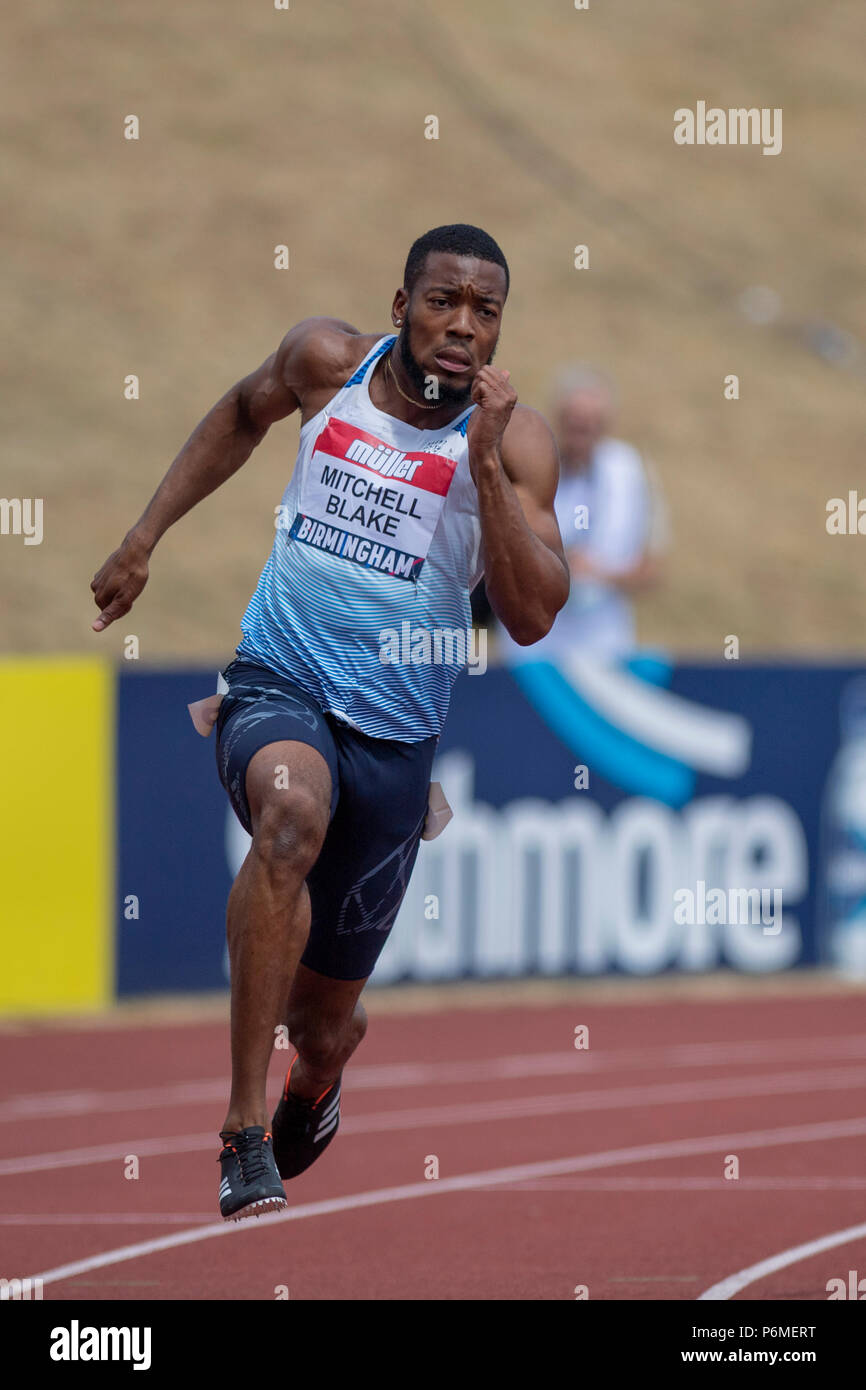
x: 250, y: 1182
x: 303, y: 1129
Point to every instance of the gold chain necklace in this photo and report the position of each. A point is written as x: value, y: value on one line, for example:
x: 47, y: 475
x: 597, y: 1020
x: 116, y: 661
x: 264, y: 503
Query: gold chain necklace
x: 420, y: 405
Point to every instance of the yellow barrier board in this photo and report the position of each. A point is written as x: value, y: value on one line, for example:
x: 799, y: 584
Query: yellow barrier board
x: 57, y: 838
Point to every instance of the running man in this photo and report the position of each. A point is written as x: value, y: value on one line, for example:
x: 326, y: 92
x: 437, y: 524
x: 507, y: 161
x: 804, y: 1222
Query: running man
x: 417, y: 472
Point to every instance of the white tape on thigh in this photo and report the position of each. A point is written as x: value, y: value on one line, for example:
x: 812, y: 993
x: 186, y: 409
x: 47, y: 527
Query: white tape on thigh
x: 203, y: 713
x: 439, y: 813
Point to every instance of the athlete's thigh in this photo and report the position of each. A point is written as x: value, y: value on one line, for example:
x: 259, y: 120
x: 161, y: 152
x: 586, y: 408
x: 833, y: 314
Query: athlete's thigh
x: 273, y: 737
x: 361, y: 875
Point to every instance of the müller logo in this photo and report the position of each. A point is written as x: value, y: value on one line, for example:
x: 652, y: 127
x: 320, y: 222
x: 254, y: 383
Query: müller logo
x: 77, y: 1343
x: 430, y: 471
x: 391, y: 463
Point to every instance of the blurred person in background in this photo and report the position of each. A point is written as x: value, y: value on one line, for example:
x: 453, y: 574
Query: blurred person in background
x: 613, y: 521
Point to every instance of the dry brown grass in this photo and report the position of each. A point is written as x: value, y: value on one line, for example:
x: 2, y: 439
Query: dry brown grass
x: 306, y: 127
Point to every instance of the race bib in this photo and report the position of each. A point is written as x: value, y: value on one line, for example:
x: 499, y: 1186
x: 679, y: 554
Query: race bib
x: 365, y: 501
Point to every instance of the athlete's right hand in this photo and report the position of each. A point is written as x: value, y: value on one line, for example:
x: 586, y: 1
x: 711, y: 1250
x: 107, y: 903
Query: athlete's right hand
x: 120, y: 581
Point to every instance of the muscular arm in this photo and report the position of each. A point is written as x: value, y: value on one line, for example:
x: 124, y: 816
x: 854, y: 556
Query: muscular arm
x: 525, y: 572
x: 218, y: 446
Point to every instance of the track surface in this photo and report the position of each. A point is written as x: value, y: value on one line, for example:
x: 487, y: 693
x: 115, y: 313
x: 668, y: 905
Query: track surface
x: 558, y: 1167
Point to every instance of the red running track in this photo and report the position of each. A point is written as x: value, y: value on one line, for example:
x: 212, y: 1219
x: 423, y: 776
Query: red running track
x: 560, y: 1169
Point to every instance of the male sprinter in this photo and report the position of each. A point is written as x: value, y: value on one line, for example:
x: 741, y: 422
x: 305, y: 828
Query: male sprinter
x: 416, y: 473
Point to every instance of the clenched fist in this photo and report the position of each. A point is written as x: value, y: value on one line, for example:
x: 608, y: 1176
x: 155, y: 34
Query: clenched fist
x: 120, y: 581
x: 495, y: 398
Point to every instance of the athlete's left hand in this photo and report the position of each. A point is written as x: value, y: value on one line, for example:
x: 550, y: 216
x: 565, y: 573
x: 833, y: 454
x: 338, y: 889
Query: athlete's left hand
x: 495, y: 399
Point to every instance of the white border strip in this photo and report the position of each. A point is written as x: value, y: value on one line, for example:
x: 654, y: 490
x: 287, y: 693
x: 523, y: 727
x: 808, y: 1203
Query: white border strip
x: 734, y: 1282
x: 707, y: 739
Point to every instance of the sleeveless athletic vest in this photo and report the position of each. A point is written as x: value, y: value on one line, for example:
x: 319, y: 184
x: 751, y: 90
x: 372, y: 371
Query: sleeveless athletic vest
x: 364, y: 600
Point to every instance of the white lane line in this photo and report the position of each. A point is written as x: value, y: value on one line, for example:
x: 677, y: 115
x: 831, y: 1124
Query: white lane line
x: 479, y: 1112
x: 467, y: 1182
x: 683, y: 1185
x: 728, y: 1287
x: 568, y: 1061
x: 483, y: 1112
x: 108, y: 1153
x: 91, y: 1218
x: 612, y: 1098
x: 702, y: 1184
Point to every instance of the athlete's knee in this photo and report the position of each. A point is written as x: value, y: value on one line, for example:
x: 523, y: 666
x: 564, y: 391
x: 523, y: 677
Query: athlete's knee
x: 326, y: 1044
x: 322, y: 1049
x: 289, y: 831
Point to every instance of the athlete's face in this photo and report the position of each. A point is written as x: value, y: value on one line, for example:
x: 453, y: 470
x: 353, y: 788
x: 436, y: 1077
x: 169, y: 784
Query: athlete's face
x: 451, y: 322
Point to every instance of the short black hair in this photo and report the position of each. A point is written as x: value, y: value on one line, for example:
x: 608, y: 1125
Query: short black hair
x: 458, y: 239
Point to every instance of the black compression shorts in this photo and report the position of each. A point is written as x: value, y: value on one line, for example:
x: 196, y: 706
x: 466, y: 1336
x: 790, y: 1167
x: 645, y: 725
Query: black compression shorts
x: 379, y: 790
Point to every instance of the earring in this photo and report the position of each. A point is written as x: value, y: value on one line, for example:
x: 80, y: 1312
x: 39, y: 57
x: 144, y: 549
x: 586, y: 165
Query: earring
x: 397, y: 323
